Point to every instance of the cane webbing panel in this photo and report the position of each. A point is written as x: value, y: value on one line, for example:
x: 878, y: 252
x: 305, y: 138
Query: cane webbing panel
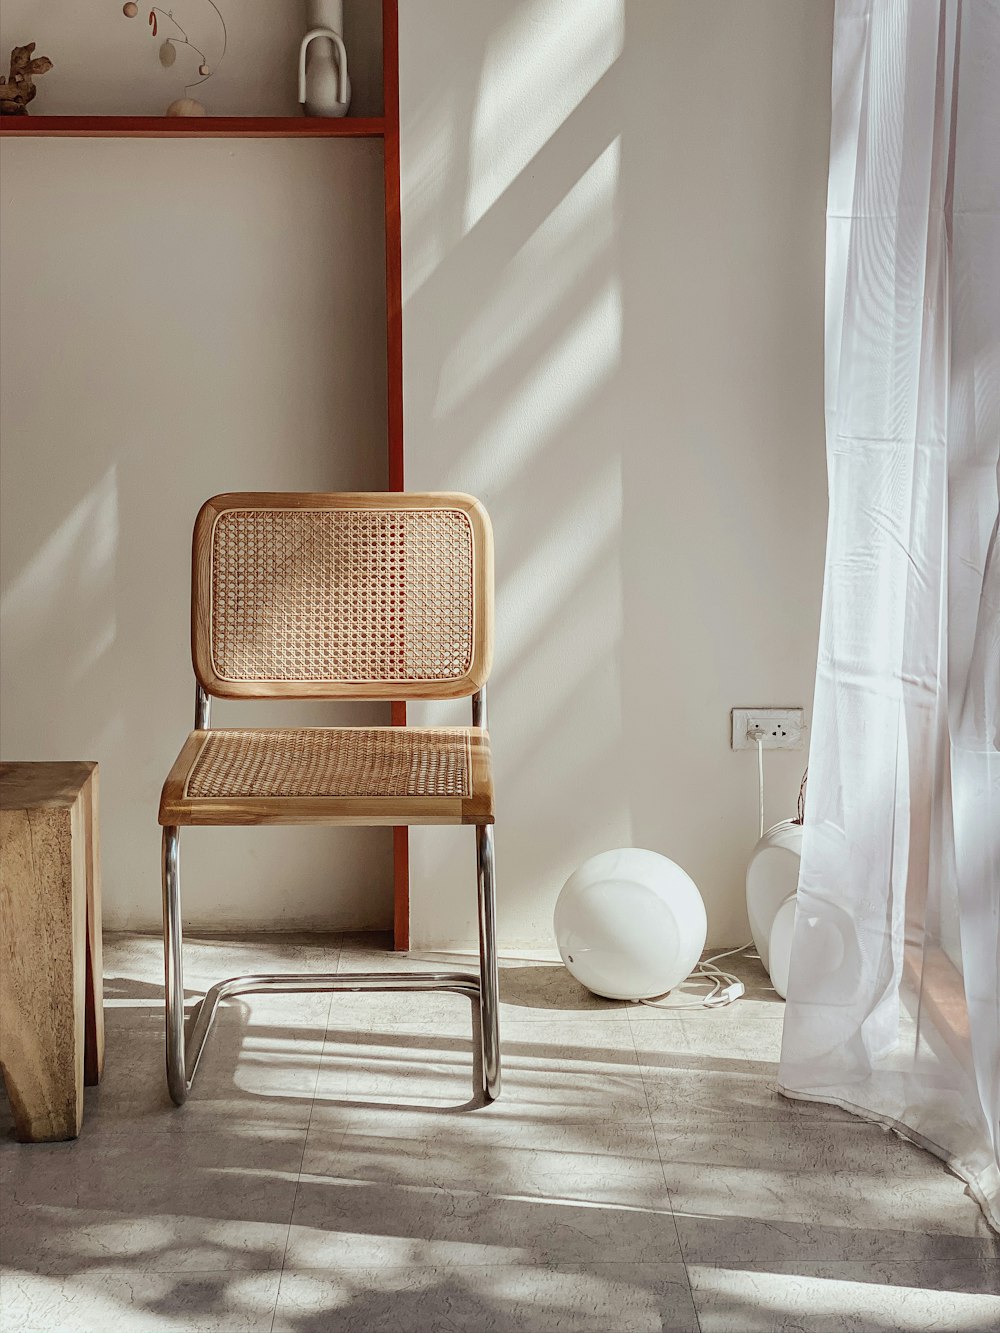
x: 332, y: 761
x: 342, y: 595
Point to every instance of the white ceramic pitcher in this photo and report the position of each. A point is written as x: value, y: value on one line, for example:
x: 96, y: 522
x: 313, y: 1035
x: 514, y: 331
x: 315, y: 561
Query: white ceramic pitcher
x: 324, y: 84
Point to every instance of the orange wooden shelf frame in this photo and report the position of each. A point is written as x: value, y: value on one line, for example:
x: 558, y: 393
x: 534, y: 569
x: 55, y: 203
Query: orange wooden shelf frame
x: 192, y: 127
x: 394, y: 375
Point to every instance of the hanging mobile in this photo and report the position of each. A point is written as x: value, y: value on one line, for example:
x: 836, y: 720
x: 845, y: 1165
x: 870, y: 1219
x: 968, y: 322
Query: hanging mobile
x: 182, y: 106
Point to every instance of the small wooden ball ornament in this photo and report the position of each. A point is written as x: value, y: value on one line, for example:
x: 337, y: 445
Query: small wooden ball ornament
x: 130, y: 10
x: 185, y: 106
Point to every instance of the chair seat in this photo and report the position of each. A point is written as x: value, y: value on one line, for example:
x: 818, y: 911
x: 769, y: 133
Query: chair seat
x: 331, y: 775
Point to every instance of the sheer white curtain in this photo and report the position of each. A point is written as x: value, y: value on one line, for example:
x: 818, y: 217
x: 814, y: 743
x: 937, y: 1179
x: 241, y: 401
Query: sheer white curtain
x: 893, y: 1007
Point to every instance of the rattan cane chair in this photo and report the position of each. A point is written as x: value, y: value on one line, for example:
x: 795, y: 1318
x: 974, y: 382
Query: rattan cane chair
x: 363, y: 596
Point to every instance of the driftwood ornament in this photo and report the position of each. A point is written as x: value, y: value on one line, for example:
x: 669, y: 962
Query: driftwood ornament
x: 18, y: 89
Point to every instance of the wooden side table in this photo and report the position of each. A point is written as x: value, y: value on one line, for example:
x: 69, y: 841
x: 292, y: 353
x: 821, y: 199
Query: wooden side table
x: 51, y: 975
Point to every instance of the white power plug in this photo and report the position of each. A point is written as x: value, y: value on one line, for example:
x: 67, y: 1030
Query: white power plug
x: 730, y: 993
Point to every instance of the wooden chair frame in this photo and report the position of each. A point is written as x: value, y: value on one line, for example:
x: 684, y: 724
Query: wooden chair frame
x: 183, y: 1055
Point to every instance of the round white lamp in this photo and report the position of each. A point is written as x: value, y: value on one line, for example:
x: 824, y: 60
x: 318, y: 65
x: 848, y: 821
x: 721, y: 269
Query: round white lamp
x: 630, y: 924
x: 825, y: 938
x: 772, y: 881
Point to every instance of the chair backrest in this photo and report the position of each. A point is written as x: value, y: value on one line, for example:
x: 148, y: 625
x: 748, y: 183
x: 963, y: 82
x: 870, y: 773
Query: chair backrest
x: 351, y: 596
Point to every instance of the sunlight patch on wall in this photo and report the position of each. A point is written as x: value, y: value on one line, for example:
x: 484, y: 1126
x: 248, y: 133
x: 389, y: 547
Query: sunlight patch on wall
x: 575, y: 370
x: 575, y: 248
x: 581, y: 40
x: 561, y: 603
x: 580, y: 534
x: 68, y: 582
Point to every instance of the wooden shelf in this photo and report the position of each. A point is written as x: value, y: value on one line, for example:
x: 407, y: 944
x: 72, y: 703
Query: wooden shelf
x: 193, y: 127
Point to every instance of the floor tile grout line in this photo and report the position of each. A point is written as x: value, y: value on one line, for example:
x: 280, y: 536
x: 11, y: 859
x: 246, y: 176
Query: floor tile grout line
x: 663, y: 1173
x: 305, y: 1142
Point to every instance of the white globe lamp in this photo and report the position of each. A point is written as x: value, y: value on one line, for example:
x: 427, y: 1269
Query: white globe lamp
x: 630, y: 924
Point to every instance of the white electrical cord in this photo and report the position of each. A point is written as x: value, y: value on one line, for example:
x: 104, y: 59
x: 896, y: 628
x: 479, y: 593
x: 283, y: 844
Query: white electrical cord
x: 760, y: 778
x: 726, y: 986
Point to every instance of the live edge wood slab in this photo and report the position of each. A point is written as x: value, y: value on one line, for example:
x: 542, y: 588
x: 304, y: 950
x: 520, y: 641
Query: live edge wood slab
x: 51, y: 975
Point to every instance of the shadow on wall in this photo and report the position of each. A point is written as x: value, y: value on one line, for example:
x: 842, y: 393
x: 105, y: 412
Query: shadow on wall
x: 613, y: 231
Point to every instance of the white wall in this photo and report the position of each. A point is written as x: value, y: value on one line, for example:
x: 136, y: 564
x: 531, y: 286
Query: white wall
x: 613, y: 232
x: 613, y: 270
x: 178, y: 318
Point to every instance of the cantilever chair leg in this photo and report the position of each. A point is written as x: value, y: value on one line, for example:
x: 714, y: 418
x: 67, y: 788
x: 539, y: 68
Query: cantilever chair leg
x: 177, y: 1080
x: 489, y: 985
x: 183, y: 1056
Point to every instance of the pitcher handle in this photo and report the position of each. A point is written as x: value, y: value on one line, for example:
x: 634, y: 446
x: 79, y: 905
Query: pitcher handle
x: 338, y: 41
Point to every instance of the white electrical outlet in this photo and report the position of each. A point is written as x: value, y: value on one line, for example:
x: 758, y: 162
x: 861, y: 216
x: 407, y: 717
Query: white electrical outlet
x: 780, y: 728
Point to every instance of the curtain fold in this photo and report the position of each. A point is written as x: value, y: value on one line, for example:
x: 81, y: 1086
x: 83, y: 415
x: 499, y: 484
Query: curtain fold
x: 894, y: 999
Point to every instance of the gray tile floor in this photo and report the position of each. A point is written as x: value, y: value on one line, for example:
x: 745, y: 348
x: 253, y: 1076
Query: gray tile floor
x: 330, y: 1172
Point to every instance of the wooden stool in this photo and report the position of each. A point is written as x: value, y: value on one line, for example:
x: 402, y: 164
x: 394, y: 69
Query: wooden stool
x: 51, y: 977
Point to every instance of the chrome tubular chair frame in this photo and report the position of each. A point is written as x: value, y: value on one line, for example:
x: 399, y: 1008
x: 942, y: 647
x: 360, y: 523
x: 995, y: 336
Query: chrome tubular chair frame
x: 184, y: 1054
